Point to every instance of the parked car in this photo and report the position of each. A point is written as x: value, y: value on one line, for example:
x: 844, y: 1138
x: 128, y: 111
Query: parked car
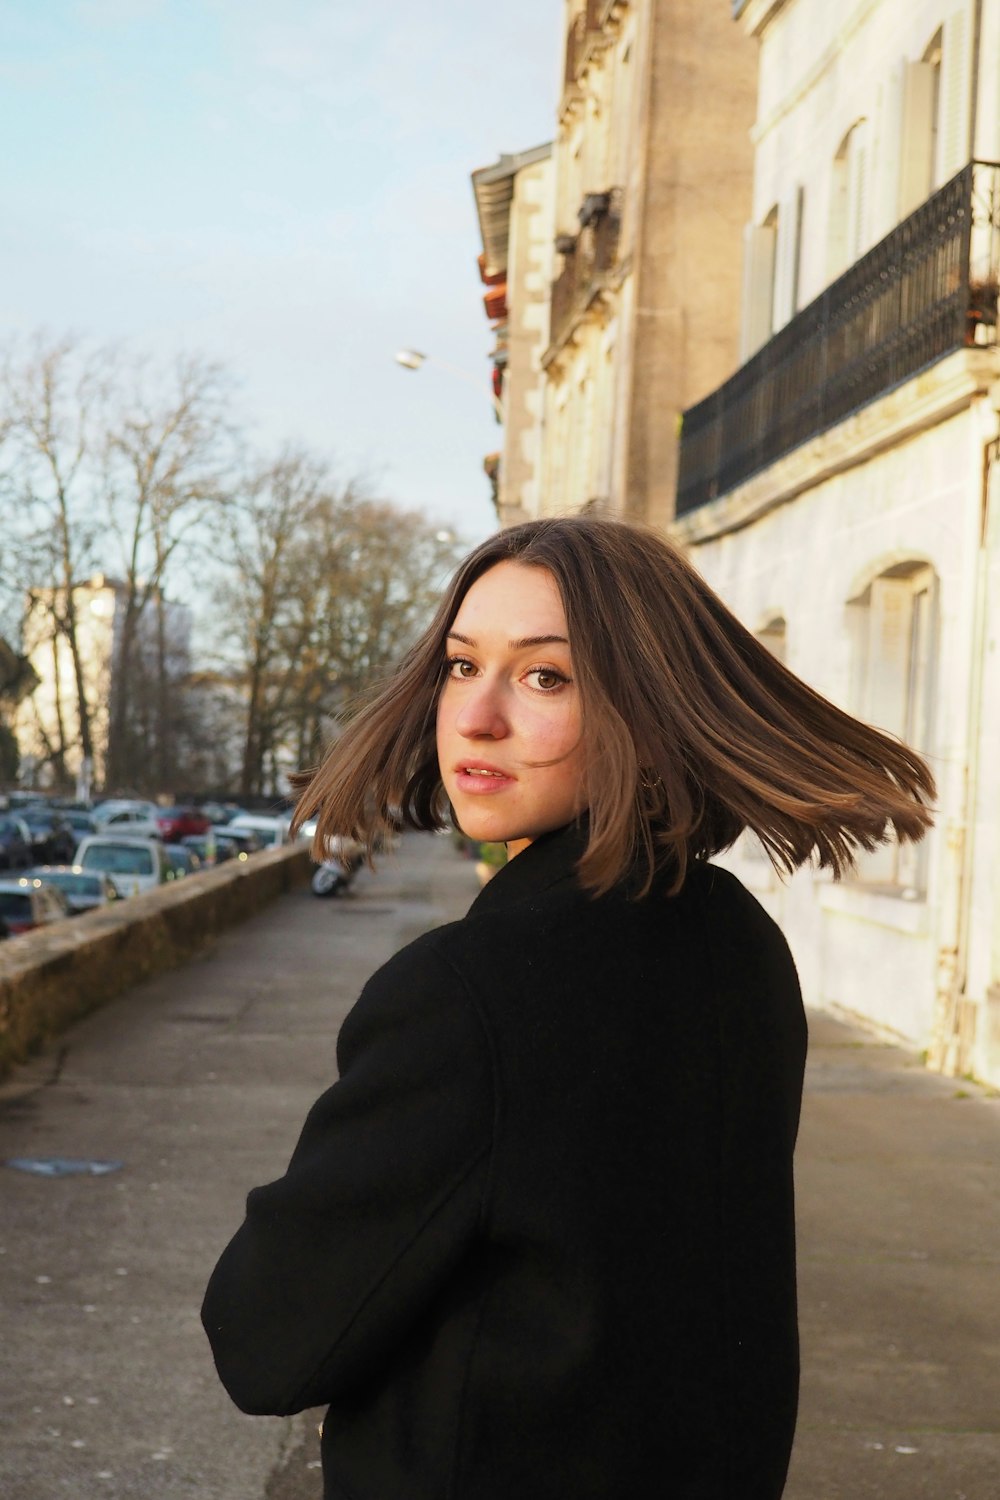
x: 243, y: 840
x: 84, y: 889
x: 219, y: 812
x: 53, y: 840
x: 182, y: 861
x: 177, y: 822
x: 128, y: 815
x: 81, y: 821
x: 15, y: 843
x: 26, y: 903
x: 271, y: 831
x: 209, y: 851
x: 134, y: 864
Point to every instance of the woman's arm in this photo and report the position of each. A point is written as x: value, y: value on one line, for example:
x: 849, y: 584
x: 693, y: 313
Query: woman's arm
x: 380, y: 1201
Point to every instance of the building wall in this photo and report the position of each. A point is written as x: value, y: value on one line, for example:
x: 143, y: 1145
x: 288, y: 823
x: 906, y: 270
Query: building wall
x: 529, y: 274
x: 661, y: 114
x: 846, y: 144
x: 847, y: 546
x: 861, y: 945
x: 36, y: 721
x: 694, y: 197
x: 99, y: 607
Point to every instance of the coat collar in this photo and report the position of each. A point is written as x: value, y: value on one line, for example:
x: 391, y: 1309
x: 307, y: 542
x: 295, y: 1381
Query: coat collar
x: 550, y: 859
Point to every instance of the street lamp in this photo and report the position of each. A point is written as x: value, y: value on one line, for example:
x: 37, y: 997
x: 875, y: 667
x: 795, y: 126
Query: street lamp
x: 412, y: 359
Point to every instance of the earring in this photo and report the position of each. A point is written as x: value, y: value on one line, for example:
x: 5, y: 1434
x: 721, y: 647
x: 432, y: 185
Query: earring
x: 650, y: 780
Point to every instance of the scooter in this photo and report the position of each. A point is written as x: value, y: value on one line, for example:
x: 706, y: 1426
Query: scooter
x: 334, y: 875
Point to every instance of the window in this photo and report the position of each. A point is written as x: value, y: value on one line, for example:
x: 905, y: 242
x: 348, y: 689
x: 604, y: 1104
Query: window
x: 848, y: 231
x: 932, y: 61
x: 954, y: 95
x: 759, y: 270
x: 893, y: 624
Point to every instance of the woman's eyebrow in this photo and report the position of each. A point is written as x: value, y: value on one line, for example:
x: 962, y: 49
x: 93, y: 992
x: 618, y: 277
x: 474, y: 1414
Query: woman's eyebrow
x: 525, y: 642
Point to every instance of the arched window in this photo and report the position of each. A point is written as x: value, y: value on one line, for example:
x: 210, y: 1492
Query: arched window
x: 849, y: 200
x: 893, y: 624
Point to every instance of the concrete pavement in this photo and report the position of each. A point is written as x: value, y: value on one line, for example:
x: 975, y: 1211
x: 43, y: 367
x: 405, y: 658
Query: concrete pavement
x: 197, y: 1083
x: 898, y: 1175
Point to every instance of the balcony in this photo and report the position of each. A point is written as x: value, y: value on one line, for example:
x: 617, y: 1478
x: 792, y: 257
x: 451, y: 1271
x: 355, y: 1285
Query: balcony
x: 590, y: 259
x: 929, y: 288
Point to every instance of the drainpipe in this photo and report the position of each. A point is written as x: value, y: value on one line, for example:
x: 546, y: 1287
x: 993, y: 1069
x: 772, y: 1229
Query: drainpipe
x: 977, y: 46
x: 950, y: 1048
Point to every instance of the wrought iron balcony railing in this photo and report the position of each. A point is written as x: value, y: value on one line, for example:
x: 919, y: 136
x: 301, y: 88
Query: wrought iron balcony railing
x: 929, y: 288
x: 588, y: 264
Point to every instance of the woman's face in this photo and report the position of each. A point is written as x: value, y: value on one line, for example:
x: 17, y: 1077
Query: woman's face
x: 509, y: 726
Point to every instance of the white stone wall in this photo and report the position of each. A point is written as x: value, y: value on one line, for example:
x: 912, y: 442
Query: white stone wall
x: 858, y: 948
x: 825, y: 68
x: 529, y: 274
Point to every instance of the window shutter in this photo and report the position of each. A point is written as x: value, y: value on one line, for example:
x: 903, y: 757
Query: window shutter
x: 889, y: 653
x: 956, y: 101
x: 916, y: 168
x: 787, y: 251
x: 921, y: 664
x: 888, y: 151
x: 758, y: 287
x: 857, y: 192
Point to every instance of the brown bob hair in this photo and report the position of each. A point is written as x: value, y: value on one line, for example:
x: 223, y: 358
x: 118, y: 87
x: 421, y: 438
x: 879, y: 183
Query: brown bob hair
x: 693, y: 730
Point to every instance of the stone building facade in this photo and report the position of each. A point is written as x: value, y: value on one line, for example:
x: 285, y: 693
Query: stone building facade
x: 650, y: 185
x: 842, y: 489
x: 515, y: 205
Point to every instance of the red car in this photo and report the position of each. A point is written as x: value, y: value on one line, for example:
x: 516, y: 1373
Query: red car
x: 176, y: 823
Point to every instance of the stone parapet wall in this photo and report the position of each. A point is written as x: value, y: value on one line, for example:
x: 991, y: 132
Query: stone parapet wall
x: 54, y: 975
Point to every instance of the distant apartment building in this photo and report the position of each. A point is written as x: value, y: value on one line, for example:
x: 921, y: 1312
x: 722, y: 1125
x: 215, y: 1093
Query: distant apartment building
x: 515, y: 204
x: 842, y: 489
x: 615, y: 258
x: 48, y: 722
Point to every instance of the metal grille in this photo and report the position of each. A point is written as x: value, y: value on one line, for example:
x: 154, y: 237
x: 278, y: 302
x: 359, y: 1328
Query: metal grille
x: 928, y: 288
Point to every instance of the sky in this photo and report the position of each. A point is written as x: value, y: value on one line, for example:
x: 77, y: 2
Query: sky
x: 283, y: 186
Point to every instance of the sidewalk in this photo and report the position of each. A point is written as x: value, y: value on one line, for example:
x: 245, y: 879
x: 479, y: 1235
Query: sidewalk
x: 898, y: 1177
x: 197, y: 1083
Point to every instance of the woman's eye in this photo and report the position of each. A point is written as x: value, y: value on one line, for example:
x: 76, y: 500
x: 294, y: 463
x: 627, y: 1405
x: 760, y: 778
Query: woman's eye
x: 460, y: 666
x: 547, y: 678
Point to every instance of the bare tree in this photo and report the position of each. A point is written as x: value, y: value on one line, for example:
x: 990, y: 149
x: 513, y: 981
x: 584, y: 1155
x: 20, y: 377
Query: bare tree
x: 332, y: 588
x: 53, y: 397
x: 264, y: 533
x: 166, y: 461
x: 17, y: 680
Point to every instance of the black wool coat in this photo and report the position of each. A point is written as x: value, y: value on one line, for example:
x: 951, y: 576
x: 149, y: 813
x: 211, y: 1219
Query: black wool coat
x: 538, y: 1240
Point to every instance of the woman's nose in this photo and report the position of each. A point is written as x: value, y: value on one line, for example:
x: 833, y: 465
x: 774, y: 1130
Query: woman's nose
x: 481, y: 715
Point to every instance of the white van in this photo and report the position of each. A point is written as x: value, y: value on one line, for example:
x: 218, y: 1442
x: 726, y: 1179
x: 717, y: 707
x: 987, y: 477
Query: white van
x: 133, y: 864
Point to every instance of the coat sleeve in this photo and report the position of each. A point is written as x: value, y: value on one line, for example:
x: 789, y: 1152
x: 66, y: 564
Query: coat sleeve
x: 381, y: 1199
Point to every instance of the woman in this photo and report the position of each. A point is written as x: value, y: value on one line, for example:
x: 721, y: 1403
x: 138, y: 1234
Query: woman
x: 538, y: 1240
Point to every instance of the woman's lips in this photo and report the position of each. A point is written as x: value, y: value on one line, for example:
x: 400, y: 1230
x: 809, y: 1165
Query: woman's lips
x: 481, y: 780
